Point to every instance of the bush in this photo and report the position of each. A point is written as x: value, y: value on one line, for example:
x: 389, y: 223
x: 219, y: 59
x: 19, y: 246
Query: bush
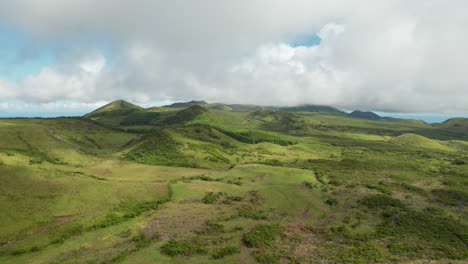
x: 458, y: 162
x: 266, y: 257
x: 450, y: 197
x: 379, y: 188
x: 19, y: 251
x: 262, y: 235
x: 308, y: 185
x: 412, y: 188
x: 119, y: 258
x: 110, y: 220
x: 320, y: 176
x: 332, y: 201
x: 249, y: 212
x: 138, y: 208
x: 210, y: 198
x: 443, y: 236
x: 225, y: 251
x: 381, y: 201
x: 141, y: 240
x: 335, y: 182
x: 360, y: 253
x: 181, y: 248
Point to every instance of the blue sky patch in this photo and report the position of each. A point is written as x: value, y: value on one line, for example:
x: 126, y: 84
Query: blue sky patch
x: 306, y: 40
x: 19, y: 56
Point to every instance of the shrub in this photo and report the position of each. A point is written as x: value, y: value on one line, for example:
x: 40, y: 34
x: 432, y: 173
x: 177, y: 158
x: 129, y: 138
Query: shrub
x: 335, y: 182
x: 142, y: 240
x: 249, y: 212
x: 262, y: 235
x: 111, y: 219
x: 445, y: 236
x: 379, y: 188
x: 210, y: 198
x: 380, y: 201
x: 263, y: 256
x: 119, y: 258
x: 181, y: 248
x: 225, y: 251
x: 331, y: 201
x: 450, y: 197
x: 360, y: 253
x: 320, y: 176
x: 412, y: 188
x: 308, y: 185
x: 34, y: 249
x: 19, y: 251
x: 458, y: 162
x: 138, y: 208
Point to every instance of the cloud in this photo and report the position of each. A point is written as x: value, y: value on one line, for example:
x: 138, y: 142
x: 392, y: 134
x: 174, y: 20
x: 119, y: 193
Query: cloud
x: 388, y: 55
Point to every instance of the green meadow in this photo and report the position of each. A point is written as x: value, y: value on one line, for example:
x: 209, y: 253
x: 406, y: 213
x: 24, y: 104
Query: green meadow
x: 215, y: 183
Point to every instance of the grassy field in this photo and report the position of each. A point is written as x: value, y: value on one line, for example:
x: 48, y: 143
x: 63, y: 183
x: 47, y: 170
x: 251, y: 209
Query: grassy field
x: 204, y: 185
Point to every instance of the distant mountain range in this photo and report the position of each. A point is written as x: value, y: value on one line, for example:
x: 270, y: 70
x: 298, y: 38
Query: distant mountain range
x: 123, y: 113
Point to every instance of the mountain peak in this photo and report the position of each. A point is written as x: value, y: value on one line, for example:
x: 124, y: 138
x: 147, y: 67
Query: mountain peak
x: 365, y: 115
x: 114, y: 105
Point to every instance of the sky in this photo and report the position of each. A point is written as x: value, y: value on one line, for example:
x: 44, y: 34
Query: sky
x: 67, y: 57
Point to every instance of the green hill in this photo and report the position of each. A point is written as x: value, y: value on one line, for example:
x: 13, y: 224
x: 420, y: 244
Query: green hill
x: 310, y: 108
x: 365, y: 115
x: 417, y: 141
x: 185, y: 104
x: 113, y: 106
x: 454, y: 124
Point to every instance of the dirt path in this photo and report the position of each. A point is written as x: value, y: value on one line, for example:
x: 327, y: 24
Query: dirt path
x: 58, y: 220
x: 305, y: 212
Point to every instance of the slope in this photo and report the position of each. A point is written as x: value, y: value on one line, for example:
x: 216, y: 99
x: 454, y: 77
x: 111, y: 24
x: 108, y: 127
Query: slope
x: 112, y: 106
x: 418, y: 141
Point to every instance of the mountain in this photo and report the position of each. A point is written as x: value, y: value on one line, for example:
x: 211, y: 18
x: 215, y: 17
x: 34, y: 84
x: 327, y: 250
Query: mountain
x: 365, y: 115
x: 244, y: 107
x: 185, y: 104
x: 454, y: 124
x: 310, y: 108
x: 113, y: 106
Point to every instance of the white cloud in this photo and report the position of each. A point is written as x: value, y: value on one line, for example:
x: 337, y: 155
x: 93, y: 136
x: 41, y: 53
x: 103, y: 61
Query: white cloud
x: 389, y: 55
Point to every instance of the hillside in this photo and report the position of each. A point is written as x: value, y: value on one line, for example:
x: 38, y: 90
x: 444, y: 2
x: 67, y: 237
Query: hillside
x: 212, y: 183
x: 417, y: 141
x: 365, y: 115
x: 310, y: 108
x: 185, y: 104
x: 118, y: 105
x: 454, y: 124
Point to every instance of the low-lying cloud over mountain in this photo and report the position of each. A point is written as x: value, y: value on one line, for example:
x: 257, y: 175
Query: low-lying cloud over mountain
x: 378, y: 55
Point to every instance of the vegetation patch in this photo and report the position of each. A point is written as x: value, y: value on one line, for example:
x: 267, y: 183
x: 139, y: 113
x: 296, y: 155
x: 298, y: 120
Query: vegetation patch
x: 360, y: 253
x: 175, y: 248
x: 158, y: 148
x: 255, y: 137
x: 224, y: 251
x: 440, y: 236
x: 450, y: 196
x: 380, y: 201
x: 262, y: 235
